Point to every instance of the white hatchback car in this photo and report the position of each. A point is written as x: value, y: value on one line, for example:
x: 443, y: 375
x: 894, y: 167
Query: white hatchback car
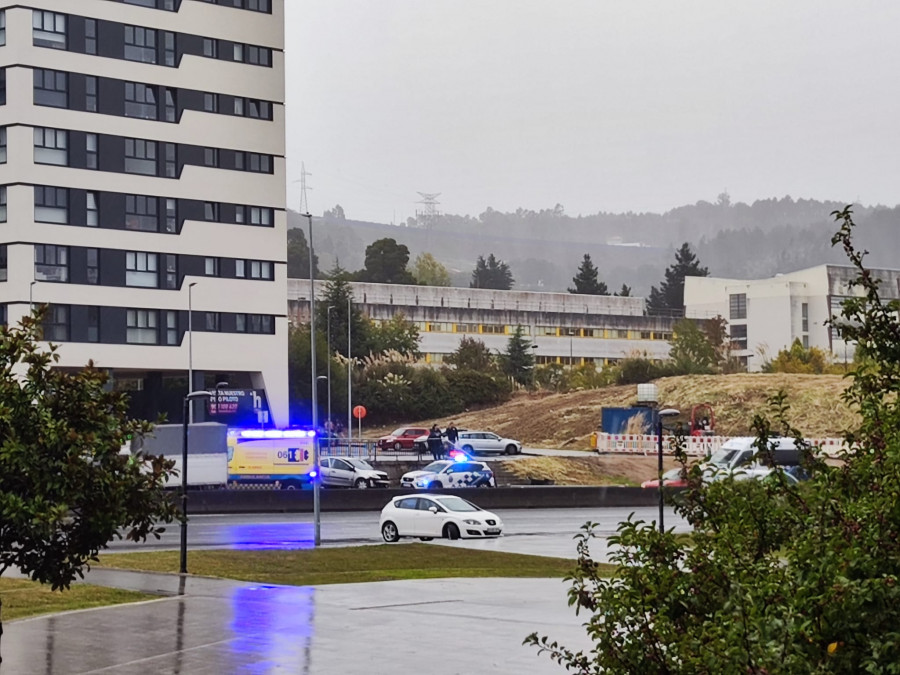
x: 428, y: 516
x: 476, y: 443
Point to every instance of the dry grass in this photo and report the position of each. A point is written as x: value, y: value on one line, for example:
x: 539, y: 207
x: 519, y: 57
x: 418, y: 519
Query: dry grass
x: 598, y: 470
x: 567, y: 420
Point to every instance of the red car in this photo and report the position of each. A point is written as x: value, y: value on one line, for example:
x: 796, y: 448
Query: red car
x: 401, y: 439
x: 671, y: 478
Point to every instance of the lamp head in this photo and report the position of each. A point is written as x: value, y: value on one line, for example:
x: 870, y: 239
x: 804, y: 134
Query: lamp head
x: 669, y: 412
x: 198, y: 394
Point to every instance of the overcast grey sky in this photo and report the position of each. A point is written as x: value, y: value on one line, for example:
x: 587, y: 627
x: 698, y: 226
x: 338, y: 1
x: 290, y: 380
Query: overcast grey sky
x: 595, y: 104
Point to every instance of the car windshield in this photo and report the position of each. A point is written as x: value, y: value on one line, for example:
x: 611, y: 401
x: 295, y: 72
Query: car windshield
x: 397, y: 432
x: 434, y: 467
x: 674, y: 474
x: 361, y: 464
x: 456, y: 504
x: 722, y: 456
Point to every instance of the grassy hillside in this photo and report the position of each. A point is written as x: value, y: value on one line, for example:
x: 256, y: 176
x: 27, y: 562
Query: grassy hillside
x: 566, y: 420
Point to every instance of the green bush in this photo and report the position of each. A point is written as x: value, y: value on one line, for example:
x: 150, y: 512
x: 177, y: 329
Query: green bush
x: 476, y: 388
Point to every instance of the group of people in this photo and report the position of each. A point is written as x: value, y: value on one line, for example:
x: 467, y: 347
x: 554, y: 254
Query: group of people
x: 436, y: 439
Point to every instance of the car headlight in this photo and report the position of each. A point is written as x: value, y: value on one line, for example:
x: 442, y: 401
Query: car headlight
x: 469, y: 521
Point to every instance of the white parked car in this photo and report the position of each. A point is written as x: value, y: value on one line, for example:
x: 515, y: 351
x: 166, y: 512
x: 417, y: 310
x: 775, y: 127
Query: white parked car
x: 477, y: 443
x: 408, y: 480
x: 455, y: 475
x: 349, y: 472
x: 428, y: 516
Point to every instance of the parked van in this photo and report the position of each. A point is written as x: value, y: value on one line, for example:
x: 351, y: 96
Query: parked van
x: 741, y: 454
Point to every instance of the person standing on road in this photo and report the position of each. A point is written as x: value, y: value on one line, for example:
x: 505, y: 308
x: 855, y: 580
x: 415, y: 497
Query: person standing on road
x: 452, y: 434
x: 435, y: 442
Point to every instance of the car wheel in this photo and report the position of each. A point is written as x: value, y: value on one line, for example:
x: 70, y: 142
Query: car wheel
x: 435, y: 486
x: 468, y: 449
x: 397, y: 446
x: 290, y: 485
x: 451, y: 532
x: 510, y: 449
x: 390, y: 533
x: 361, y: 484
x: 426, y: 538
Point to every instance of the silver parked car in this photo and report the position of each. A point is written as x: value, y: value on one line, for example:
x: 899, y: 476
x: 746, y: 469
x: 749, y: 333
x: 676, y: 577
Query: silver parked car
x: 476, y: 443
x: 349, y: 472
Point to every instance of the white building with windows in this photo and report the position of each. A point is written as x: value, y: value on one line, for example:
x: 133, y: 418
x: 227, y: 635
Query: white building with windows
x: 567, y: 329
x: 766, y: 315
x: 142, y: 174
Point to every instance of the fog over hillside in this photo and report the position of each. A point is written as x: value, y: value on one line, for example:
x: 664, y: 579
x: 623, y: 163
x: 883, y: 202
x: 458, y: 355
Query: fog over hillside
x: 544, y: 247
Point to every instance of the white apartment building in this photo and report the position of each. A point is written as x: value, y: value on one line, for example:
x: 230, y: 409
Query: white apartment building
x: 767, y: 315
x: 568, y: 329
x: 142, y: 172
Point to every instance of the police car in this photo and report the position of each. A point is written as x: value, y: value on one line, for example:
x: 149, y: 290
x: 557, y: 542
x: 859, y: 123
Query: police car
x: 457, y: 474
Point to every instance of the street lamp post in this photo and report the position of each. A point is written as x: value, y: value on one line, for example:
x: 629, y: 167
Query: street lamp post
x: 666, y: 412
x: 190, y: 330
x: 317, y: 536
x: 328, y: 334
x: 533, y: 365
x: 349, y: 372
x: 188, y: 400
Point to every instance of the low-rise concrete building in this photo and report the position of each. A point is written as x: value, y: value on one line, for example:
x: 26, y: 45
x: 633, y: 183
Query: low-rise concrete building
x: 567, y: 329
x: 767, y: 315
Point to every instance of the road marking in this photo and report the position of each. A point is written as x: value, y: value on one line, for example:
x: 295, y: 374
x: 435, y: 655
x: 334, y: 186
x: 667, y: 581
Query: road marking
x: 405, y: 604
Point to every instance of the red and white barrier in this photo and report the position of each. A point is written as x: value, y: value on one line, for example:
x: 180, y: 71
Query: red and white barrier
x: 694, y: 446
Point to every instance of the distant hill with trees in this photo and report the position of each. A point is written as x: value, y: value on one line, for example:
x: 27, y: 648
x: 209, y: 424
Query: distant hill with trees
x: 545, y: 248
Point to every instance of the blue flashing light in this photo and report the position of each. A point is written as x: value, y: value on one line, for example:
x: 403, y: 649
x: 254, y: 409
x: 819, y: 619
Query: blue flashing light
x: 311, y: 434
x: 275, y: 433
x: 460, y: 458
x: 313, y: 473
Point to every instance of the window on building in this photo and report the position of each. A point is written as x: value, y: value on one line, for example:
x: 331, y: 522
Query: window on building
x: 51, y: 263
x: 140, y: 156
x: 56, y: 323
x: 806, y: 341
x: 141, y: 213
x: 2, y: 27
x: 48, y: 29
x: 254, y: 323
x: 737, y: 306
x: 92, y: 209
x: 213, y: 322
x: 2, y: 145
x: 211, y: 211
x: 90, y: 93
x: 170, y: 261
x: 739, y: 335
x: 51, y: 88
x: 253, y: 162
x: 171, y: 216
x: 51, y: 204
x: 141, y: 269
x: 140, y: 44
x: 211, y: 267
x: 171, y: 327
x: 170, y: 105
x: 51, y: 146
x: 4, y: 264
x: 171, y: 163
x: 169, y: 48
x: 142, y: 327
x: 2, y: 204
x: 211, y: 102
x: 254, y: 269
x: 260, y: 216
x: 210, y: 48
x: 93, y: 265
x: 2, y: 86
x: 91, y: 151
x: 90, y: 36
x: 804, y: 319
x: 93, y: 324
x: 239, y: 269
x: 140, y: 101
x: 210, y: 157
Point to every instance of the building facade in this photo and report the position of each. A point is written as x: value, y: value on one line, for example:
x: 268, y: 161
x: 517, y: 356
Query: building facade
x: 766, y: 315
x: 568, y: 329
x: 143, y: 193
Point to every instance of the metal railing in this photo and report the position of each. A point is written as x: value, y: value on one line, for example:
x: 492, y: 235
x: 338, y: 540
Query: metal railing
x: 365, y: 448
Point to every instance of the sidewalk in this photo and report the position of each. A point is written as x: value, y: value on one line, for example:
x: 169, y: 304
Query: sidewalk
x: 439, y: 626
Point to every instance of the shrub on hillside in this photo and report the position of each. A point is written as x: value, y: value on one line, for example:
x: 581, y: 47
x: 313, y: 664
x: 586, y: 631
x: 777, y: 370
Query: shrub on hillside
x: 476, y: 388
x: 800, y: 359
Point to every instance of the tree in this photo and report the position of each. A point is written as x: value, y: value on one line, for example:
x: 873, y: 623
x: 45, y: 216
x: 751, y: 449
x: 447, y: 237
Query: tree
x: 386, y: 262
x: 670, y: 294
x: 692, y: 351
x: 776, y: 576
x: 800, y: 359
x: 586, y: 281
x: 394, y: 335
x: 337, y: 293
x: 298, y: 255
x: 518, y: 359
x: 471, y: 354
x: 427, y: 271
x: 491, y: 273
x: 65, y: 489
x: 625, y: 291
